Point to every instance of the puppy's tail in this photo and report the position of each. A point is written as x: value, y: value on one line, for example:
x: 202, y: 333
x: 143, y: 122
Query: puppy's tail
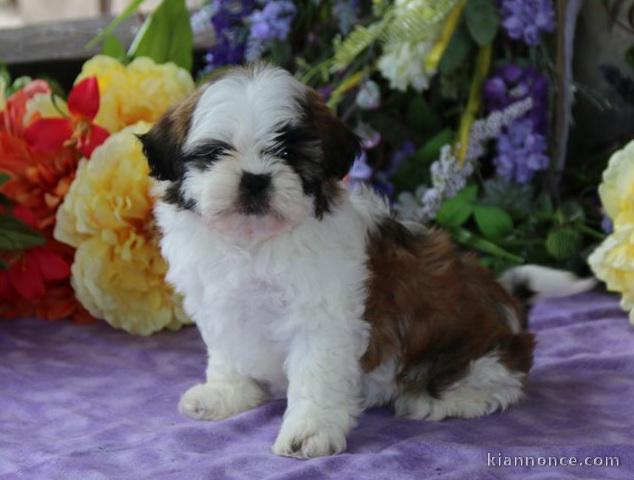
x: 532, y: 283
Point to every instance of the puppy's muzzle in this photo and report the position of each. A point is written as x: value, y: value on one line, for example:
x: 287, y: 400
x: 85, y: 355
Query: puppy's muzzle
x: 253, y: 193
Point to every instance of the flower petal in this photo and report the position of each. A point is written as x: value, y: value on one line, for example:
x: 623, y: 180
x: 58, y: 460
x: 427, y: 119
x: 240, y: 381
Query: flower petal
x: 96, y: 136
x: 83, y: 99
x: 5, y: 285
x: 25, y: 215
x: 52, y: 266
x: 26, y: 278
x: 48, y: 135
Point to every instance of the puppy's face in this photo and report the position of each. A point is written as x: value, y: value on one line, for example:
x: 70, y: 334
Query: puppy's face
x: 253, y: 153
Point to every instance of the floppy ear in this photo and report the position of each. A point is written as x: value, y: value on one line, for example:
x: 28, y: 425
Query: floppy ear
x: 339, y: 143
x: 163, y: 144
x: 161, y: 151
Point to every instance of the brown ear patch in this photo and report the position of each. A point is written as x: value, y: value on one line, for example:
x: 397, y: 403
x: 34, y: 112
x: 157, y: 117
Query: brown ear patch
x: 435, y: 310
x: 163, y: 143
x: 339, y: 143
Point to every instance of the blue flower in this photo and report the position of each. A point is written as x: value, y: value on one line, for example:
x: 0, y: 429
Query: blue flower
x: 525, y: 20
x: 521, y: 152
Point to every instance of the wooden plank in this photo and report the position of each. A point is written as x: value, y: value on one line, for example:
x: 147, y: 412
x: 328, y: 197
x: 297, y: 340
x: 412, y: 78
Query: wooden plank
x: 66, y: 40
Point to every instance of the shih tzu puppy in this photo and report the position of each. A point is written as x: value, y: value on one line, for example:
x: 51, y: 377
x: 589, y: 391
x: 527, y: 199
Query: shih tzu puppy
x: 301, y: 288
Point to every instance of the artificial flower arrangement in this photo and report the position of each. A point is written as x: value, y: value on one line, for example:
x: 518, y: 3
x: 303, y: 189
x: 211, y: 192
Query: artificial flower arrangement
x: 77, y: 195
x: 453, y: 101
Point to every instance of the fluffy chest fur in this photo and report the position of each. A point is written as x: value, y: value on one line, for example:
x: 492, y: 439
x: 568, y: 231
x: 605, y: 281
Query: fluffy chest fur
x: 253, y: 299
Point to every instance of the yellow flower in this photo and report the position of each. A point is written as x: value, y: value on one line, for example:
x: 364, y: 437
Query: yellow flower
x: 617, y: 188
x: 140, y: 91
x: 613, y: 260
x: 118, y: 273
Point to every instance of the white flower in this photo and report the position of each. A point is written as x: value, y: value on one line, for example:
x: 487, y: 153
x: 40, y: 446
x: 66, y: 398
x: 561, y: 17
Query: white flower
x: 404, y: 65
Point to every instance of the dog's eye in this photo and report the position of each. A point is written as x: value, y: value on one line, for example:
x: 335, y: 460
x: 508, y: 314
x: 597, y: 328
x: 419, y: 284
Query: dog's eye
x: 206, y: 154
x: 279, y: 151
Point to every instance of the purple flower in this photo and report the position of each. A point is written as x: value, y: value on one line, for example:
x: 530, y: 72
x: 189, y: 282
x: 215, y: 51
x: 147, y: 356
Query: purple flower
x: 526, y: 19
x: 406, y: 150
x: 370, y: 138
x: 273, y: 22
x: 360, y: 173
x: 512, y: 83
x: 326, y: 91
x: 520, y: 152
x: 228, y: 22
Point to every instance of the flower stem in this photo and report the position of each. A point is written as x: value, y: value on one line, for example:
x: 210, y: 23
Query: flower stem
x: 482, y: 66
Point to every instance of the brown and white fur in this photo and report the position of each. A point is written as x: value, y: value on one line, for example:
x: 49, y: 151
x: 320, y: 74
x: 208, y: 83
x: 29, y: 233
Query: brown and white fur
x: 303, y: 289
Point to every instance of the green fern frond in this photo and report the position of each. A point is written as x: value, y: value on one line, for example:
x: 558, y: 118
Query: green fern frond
x: 360, y: 39
x: 418, y: 23
x: 412, y: 21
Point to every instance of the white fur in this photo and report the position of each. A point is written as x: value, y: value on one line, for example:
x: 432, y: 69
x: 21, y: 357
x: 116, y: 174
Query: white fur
x: 545, y: 282
x: 286, y: 312
x: 488, y: 386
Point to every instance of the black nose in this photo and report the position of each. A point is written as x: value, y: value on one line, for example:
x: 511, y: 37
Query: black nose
x: 254, y: 197
x: 254, y: 184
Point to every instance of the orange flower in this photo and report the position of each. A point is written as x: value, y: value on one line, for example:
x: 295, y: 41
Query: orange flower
x: 38, y: 181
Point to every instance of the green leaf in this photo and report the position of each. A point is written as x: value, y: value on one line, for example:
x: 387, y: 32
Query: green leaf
x: 562, y: 243
x: 15, y: 235
x: 415, y: 169
x: 629, y: 57
x: 482, y: 20
x: 4, y: 201
x: 281, y: 52
x: 456, y: 211
x: 493, y: 222
x: 112, y: 47
x: 5, y: 75
x: 571, y: 211
x: 132, y: 7
x: 465, y: 237
x: 166, y: 35
x: 431, y: 149
x: 544, y: 209
x: 4, y: 178
x: 3, y: 265
x: 420, y: 116
x: 18, y: 84
x: 516, y: 199
x: 457, y: 51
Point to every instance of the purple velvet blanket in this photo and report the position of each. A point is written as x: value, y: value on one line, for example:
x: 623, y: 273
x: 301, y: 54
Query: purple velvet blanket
x: 92, y: 403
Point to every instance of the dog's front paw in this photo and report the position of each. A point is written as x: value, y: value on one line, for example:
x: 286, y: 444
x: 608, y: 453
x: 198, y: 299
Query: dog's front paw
x: 220, y: 400
x: 307, y: 438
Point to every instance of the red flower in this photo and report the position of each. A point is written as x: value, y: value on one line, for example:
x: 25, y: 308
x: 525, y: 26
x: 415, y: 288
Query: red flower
x: 49, y: 135
x: 36, y: 282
